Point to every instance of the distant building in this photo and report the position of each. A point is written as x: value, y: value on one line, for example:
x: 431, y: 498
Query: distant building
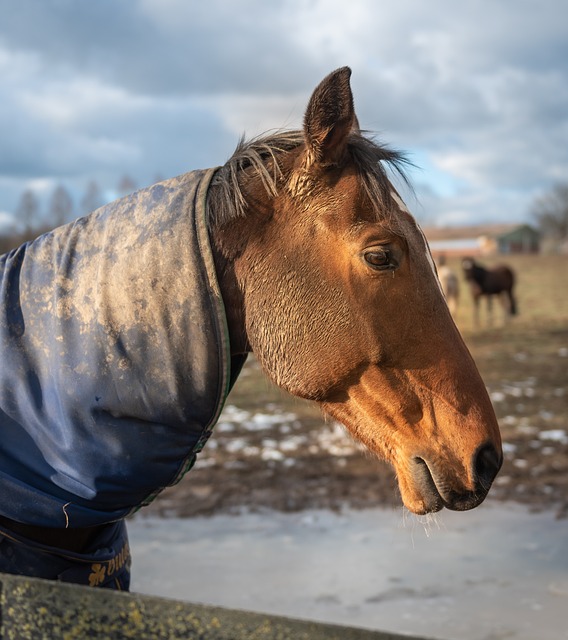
x: 483, y: 240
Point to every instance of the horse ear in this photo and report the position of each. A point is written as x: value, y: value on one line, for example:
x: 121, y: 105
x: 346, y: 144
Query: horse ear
x: 355, y: 127
x: 329, y: 118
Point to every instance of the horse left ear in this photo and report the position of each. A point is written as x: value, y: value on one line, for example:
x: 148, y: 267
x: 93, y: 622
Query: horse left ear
x: 329, y: 118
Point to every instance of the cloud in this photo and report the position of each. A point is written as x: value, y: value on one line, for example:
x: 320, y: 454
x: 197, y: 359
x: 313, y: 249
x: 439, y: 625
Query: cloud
x: 166, y: 47
x: 477, y: 92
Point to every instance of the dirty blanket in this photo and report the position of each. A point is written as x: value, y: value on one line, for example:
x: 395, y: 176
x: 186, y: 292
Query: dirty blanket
x: 114, y: 357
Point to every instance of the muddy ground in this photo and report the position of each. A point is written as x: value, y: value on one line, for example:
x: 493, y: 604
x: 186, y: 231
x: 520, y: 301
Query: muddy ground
x: 273, y: 451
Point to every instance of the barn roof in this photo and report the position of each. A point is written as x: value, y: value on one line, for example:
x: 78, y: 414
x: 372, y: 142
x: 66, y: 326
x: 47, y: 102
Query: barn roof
x: 472, y: 232
x: 482, y: 239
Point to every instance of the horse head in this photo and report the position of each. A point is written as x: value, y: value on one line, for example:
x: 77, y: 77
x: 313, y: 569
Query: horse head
x: 329, y: 280
x: 471, y: 269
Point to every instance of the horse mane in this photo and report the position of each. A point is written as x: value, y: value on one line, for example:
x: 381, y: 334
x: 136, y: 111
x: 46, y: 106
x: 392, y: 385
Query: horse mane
x: 261, y: 156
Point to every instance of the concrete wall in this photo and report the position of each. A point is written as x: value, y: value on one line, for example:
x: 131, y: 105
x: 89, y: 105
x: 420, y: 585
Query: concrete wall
x: 31, y: 608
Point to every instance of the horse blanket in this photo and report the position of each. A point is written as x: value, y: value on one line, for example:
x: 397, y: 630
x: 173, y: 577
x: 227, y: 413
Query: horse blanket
x: 114, y: 357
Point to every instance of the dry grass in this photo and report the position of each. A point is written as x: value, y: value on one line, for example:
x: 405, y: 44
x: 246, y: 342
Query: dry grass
x: 541, y: 291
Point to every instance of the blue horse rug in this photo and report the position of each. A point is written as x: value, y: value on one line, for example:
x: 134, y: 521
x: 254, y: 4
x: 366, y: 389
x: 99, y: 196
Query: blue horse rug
x: 115, y: 358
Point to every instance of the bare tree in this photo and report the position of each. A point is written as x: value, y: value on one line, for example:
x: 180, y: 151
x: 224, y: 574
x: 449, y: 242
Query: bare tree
x: 61, y: 206
x: 551, y: 212
x: 92, y: 199
x: 126, y: 185
x: 27, y: 211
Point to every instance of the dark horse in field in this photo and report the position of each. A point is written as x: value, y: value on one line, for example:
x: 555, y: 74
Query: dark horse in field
x: 498, y: 281
x: 122, y: 333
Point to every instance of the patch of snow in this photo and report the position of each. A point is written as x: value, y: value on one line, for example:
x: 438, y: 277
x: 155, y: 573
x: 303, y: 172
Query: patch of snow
x: 509, y: 448
x: 556, y: 435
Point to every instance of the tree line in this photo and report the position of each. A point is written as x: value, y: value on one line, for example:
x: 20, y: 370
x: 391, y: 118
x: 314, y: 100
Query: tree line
x: 32, y: 221
x: 549, y: 212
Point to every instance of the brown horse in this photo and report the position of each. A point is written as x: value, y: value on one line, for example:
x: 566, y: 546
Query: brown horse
x: 344, y: 307
x: 321, y: 271
x: 498, y: 281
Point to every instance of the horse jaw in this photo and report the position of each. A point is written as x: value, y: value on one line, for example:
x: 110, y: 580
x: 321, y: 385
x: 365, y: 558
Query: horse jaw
x: 446, y: 452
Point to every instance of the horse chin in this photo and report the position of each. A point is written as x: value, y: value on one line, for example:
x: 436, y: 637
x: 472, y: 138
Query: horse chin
x: 427, y: 492
x: 424, y: 482
x: 418, y: 490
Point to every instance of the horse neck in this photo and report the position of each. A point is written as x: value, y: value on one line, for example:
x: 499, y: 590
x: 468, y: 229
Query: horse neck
x: 235, y: 237
x: 231, y: 242
x: 478, y: 274
x: 231, y: 293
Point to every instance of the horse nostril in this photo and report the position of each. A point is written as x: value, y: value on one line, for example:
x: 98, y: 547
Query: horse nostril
x: 486, y: 464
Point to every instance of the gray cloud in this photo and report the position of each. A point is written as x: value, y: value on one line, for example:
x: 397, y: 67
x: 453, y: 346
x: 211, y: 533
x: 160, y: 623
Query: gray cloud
x: 156, y: 47
x: 477, y: 91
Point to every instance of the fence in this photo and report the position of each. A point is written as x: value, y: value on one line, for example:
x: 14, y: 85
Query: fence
x: 34, y: 609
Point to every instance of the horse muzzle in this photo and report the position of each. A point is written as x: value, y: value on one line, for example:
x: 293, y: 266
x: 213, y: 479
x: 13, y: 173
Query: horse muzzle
x: 436, y: 489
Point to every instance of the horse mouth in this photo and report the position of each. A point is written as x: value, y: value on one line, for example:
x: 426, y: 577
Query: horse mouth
x: 435, y: 495
x: 432, y: 501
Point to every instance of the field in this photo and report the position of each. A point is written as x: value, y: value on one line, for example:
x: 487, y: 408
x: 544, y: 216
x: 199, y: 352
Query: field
x: 270, y: 450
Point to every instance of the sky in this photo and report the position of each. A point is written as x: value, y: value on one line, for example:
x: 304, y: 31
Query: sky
x: 475, y: 92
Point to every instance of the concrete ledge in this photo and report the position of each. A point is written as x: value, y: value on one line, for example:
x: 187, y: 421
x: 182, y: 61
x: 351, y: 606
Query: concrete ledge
x: 31, y: 608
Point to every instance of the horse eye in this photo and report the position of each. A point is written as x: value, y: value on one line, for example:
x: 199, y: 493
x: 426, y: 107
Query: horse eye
x: 378, y: 259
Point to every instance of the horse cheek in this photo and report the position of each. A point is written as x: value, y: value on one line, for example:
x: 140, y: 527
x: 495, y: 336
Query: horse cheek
x: 295, y: 332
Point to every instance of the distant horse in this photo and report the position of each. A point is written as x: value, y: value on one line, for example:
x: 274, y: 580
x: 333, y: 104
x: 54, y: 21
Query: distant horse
x: 122, y: 333
x: 498, y: 281
x: 450, y: 285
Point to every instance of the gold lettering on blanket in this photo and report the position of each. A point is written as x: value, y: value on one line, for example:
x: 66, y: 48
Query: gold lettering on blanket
x: 100, y: 571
